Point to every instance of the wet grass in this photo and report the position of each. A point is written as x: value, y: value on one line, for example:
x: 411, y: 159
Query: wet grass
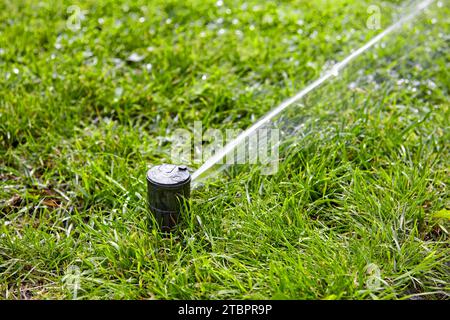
x: 357, y: 210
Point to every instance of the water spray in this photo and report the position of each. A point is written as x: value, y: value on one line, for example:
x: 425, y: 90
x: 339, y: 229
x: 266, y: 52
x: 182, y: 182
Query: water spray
x: 333, y: 72
x: 169, y: 185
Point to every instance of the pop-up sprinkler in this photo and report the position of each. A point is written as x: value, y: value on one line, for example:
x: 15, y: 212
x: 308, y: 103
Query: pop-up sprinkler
x: 168, y: 186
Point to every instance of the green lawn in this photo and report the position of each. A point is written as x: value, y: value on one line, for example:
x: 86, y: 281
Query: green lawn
x: 359, y: 208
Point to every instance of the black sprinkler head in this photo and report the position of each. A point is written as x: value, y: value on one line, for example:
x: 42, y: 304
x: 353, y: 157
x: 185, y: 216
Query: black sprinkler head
x: 168, y: 186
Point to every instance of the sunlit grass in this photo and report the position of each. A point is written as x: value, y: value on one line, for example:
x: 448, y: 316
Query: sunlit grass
x: 357, y: 210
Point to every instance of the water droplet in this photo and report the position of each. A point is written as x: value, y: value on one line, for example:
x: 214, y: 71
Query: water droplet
x: 91, y: 61
x: 252, y: 27
x: 219, y: 21
x: 148, y: 67
x: 150, y: 49
x: 440, y: 4
x: 168, y: 21
x: 221, y: 32
x: 239, y: 33
x: 134, y: 57
x: 418, y: 66
x: 402, y: 81
x: 431, y: 84
x: 352, y: 85
x: 300, y: 22
x: 101, y: 21
x: 267, y: 19
x: 87, y: 54
x: 433, y: 21
x: 204, y: 77
x: 235, y: 21
x: 219, y: 3
x: 141, y: 19
x: 393, y: 73
x: 202, y: 34
x: 311, y: 64
x: 2, y: 51
x: 16, y: 71
x: 118, y: 62
x: 118, y: 93
x: 256, y: 8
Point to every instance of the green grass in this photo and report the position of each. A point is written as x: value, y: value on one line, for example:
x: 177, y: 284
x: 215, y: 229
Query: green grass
x: 358, y: 209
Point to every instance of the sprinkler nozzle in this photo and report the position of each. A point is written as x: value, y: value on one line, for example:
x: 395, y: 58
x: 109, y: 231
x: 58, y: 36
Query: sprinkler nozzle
x: 168, y: 186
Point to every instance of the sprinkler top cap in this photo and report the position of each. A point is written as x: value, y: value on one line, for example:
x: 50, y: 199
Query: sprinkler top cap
x: 168, y: 175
